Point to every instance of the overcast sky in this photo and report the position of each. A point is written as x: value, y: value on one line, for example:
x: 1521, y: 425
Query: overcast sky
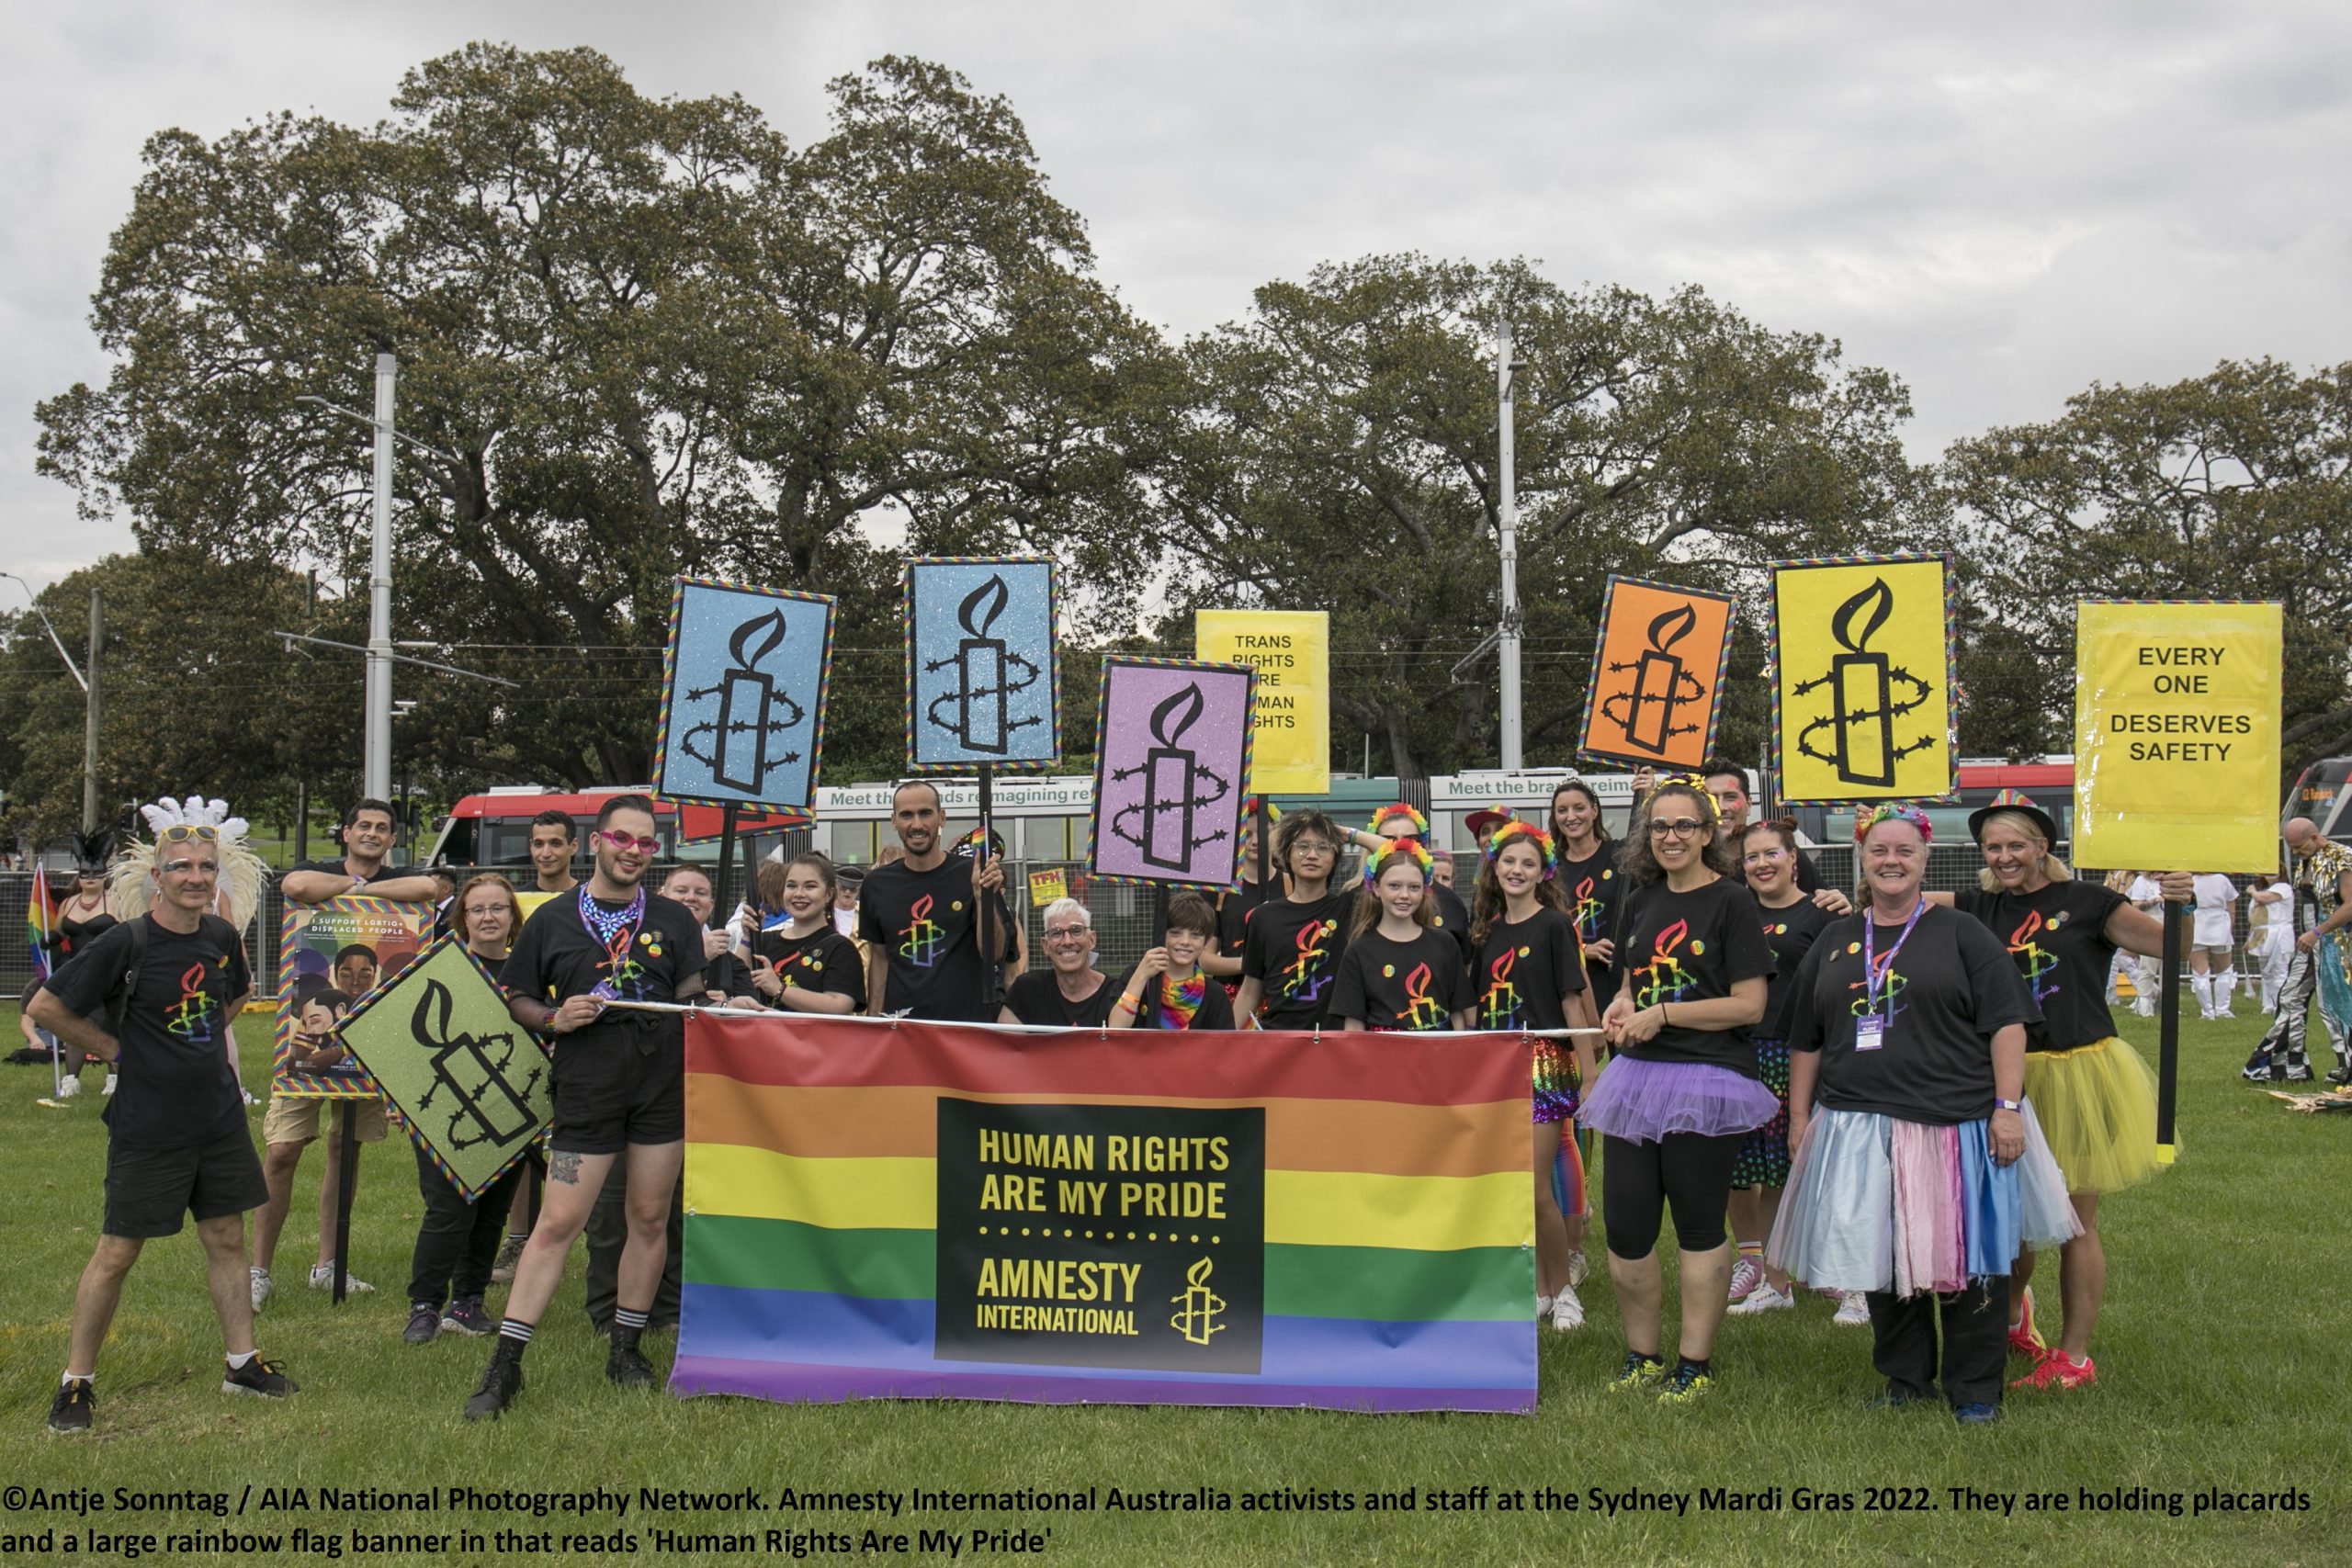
x: 2001, y: 203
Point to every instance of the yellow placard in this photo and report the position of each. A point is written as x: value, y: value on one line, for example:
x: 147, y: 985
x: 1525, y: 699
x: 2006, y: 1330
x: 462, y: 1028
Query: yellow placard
x: 1044, y: 887
x: 2177, y: 736
x: 1861, y: 694
x: 1291, y: 718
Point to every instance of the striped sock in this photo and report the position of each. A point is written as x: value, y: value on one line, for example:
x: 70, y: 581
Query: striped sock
x: 624, y: 1318
x: 515, y: 1329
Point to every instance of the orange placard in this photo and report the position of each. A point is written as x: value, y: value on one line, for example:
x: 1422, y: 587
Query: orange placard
x: 1657, y: 674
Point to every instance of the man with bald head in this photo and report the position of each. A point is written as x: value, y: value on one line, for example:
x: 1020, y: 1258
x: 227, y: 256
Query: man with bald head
x: 2322, y: 888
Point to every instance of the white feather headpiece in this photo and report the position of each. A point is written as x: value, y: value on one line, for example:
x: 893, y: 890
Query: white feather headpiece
x: 130, y: 886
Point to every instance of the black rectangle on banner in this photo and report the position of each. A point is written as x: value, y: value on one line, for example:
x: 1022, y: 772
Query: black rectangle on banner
x: 1102, y: 1235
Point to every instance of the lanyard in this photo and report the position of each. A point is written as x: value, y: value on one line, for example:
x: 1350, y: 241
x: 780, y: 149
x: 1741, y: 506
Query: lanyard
x: 1870, y: 955
x: 614, y: 932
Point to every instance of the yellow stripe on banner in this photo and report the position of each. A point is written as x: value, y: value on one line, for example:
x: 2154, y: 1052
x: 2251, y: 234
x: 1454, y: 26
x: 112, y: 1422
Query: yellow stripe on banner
x: 839, y: 1194
x: 1426, y: 1214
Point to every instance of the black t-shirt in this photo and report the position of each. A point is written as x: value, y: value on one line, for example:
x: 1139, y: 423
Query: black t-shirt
x: 1233, y: 910
x: 1692, y: 947
x: 822, y: 961
x: 175, y: 1085
x: 1952, y: 986
x: 1294, y: 952
x: 1415, y: 985
x: 928, y: 922
x: 1036, y: 997
x: 558, y: 957
x: 2057, y: 938
x: 1453, y: 919
x: 1595, y: 893
x: 1216, y: 1010
x: 1525, y: 970
x: 1790, y: 933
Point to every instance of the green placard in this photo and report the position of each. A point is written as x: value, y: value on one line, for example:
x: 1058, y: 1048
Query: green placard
x: 472, y: 1083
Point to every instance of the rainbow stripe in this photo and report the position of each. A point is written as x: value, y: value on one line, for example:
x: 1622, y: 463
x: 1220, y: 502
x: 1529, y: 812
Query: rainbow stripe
x: 39, y: 914
x: 1399, y: 1227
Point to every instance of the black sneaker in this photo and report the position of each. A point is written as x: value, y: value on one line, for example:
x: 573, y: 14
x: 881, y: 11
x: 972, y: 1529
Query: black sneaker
x: 466, y: 1316
x: 500, y: 1381
x: 424, y: 1324
x: 266, y: 1379
x: 626, y: 1368
x: 70, y: 1406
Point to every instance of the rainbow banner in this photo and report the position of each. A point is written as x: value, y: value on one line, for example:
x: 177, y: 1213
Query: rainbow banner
x: 39, y: 915
x: 940, y: 1211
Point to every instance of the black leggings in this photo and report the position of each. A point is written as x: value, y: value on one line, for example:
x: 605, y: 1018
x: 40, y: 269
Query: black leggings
x: 1637, y: 1181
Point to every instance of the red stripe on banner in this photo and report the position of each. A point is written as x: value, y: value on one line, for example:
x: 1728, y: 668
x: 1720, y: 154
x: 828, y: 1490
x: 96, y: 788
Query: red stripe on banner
x: 1244, y: 1066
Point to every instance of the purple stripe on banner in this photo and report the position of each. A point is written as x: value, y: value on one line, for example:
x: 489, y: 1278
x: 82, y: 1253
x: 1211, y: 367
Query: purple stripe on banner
x: 693, y: 1374
x: 893, y: 1338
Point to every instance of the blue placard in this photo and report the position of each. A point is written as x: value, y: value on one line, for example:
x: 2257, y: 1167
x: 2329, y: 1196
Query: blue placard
x: 744, y: 694
x: 983, y: 670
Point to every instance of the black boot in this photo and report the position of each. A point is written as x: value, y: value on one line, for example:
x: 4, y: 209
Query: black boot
x: 624, y: 1368
x: 500, y: 1381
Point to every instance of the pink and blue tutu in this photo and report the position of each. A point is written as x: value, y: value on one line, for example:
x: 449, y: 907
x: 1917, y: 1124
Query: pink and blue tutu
x: 1642, y: 1102
x: 1874, y: 1203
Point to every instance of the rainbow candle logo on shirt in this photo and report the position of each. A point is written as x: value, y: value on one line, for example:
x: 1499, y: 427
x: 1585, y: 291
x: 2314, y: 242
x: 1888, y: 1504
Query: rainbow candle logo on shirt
x: 920, y: 947
x: 1883, y: 994
x: 191, y: 1019
x: 2033, y: 963
x: 1588, y: 911
x: 1498, y: 1008
x: 1305, y: 979
x: 1422, y: 1010
x: 1665, y: 979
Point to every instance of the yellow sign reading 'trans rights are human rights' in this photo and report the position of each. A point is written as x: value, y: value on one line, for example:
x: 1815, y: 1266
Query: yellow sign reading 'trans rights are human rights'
x: 1290, y: 717
x: 2177, y: 736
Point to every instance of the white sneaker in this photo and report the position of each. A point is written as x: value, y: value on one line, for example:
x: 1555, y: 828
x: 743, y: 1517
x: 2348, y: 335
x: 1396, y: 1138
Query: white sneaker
x: 323, y: 1278
x: 1579, y: 1267
x: 1761, y: 1299
x: 249, y: 1096
x: 109, y: 1088
x: 1543, y: 1306
x: 1854, y: 1311
x: 68, y: 1087
x: 260, y: 1280
x: 2144, y: 1009
x: 1567, y: 1312
x: 1747, y: 1278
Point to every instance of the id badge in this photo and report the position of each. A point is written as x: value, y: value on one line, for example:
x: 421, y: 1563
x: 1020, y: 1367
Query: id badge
x: 1870, y: 1032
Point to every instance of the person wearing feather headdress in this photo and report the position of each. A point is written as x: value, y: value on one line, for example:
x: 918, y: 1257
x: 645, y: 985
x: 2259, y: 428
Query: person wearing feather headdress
x: 152, y: 997
x: 80, y: 917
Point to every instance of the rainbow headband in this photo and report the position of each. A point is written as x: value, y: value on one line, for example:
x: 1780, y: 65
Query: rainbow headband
x: 1895, y: 811
x: 1698, y: 787
x: 1249, y: 811
x: 1375, y: 862
x: 1518, y: 833
x: 1404, y: 809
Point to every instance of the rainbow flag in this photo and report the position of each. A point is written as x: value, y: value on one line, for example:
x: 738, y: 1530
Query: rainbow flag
x: 934, y: 1210
x: 39, y: 918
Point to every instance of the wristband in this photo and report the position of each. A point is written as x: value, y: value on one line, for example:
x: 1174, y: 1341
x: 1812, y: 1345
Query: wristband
x: 1131, y: 1002
x: 2001, y: 1104
x: 357, y: 883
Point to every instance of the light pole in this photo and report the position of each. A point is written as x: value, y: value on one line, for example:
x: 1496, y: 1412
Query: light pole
x: 1506, y: 527
x: 89, y: 685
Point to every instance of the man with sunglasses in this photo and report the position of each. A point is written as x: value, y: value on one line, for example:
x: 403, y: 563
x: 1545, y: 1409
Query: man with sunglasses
x: 619, y: 1085
x: 291, y: 1125
x: 919, y: 919
x: 151, y: 998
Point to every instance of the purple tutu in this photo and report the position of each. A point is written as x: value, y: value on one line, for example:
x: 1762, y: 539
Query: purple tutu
x: 1642, y: 1101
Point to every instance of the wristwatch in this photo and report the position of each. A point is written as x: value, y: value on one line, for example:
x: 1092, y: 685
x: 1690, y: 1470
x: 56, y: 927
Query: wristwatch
x: 357, y: 883
x: 2001, y: 1104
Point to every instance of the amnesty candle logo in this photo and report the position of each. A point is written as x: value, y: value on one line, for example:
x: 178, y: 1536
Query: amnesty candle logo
x: 1102, y: 1235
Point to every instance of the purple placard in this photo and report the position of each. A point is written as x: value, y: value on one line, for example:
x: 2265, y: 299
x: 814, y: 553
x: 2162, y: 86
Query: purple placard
x: 1171, y: 746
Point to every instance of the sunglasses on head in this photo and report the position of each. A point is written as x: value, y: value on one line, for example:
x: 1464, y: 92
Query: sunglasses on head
x: 621, y: 840
x: 178, y: 831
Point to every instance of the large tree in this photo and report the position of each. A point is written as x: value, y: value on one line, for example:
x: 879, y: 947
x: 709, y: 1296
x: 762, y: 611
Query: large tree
x: 1344, y: 458
x: 638, y: 338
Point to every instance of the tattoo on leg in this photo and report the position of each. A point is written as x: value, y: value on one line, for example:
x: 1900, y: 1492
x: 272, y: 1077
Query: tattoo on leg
x: 564, y: 1167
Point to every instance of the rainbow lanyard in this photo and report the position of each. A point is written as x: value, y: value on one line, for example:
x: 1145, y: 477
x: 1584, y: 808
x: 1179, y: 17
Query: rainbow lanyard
x: 1180, y: 999
x: 613, y: 933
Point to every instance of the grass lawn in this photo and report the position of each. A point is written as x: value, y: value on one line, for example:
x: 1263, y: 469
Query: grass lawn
x: 2219, y: 1353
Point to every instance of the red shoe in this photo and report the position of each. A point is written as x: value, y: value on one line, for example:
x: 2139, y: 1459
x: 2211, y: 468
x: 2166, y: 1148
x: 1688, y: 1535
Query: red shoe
x: 2056, y: 1372
x: 2025, y: 1339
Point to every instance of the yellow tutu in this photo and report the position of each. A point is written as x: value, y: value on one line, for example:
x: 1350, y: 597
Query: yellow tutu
x: 2097, y: 1108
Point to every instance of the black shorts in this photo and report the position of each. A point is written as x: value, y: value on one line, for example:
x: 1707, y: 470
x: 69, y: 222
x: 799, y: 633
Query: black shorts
x: 149, y: 1190
x: 611, y: 1093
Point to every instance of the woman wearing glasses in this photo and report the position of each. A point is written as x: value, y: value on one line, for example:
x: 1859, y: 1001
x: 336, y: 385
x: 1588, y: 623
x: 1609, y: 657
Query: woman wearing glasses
x: 1676, y: 1105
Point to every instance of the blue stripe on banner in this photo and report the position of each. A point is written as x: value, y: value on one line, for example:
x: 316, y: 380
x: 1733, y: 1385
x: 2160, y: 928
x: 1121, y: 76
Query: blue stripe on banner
x: 733, y: 1323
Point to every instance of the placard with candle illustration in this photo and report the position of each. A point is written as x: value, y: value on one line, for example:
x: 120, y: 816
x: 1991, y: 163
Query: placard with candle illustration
x: 1861, y: 685
x: 1171, y: 746
x: 743, y: 683
x: 983, y: 670
x: 1657, y: 686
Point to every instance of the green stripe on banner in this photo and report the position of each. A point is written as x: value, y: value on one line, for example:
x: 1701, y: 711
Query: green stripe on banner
x: 1377, y: 1283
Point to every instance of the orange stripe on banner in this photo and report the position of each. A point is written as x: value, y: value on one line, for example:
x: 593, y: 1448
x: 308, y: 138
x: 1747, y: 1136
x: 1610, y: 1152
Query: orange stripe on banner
x: 900, y: 1121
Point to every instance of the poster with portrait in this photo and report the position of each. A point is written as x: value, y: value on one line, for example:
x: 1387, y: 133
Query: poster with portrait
x: 1656, y: 686
x: 472, y: 1084
x: 1863, y: 663
x: 743, y: 679
x: 330, y: 956
x: 1171, y: 746
x: 983, y: 665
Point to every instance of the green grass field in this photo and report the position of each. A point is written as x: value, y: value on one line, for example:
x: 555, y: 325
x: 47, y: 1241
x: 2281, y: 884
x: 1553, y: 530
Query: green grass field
x: 2220, y: 1355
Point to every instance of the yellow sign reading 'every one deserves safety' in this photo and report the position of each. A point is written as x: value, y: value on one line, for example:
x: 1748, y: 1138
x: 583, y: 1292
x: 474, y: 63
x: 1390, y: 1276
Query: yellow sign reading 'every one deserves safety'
x: 2177, y: 736
x: 1290, y: 717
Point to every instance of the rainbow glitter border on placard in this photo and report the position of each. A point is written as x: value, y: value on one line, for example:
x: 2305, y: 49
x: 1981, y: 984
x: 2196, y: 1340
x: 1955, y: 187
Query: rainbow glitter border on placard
x: 1249, y: 745
x: 1951, y: 665
x: 1600, y: 641
x: 678, y: 587
x: 1053, y: 664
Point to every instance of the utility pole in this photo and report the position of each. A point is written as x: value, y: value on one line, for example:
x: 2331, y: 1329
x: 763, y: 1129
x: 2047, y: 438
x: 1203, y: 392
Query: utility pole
x: 377, y: 765
x: 1507, y: 526
x: 90, y: 721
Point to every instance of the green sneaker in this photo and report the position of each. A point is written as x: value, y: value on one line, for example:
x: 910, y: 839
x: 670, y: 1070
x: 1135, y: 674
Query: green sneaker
x: 1639, y: 1375
x: 1686, y: 1385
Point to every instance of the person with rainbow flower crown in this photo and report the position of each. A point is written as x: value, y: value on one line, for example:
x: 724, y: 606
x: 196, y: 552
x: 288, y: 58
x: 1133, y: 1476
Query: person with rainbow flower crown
x: 1399, y: 973
x: 1168, y: 989
x: 1402, y: 819
x: 1531, y: 975
x: 1676, y: 1104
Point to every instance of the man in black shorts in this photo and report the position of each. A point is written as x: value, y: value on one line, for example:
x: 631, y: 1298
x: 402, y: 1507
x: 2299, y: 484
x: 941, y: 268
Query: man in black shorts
x: 152, y: 999
x: 620, y: 1089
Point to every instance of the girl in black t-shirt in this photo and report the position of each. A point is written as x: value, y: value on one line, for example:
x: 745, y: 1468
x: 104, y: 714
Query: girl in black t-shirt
x: 1399, y: 972
x: 1529, y: 974
x: 1591, y: 889
x: 1683, y: 1093
x: 1168, y: 989
x: 802, y: 963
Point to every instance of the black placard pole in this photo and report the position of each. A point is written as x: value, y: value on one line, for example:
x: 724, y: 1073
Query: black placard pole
x: 2167, y: 1032
x: 988, y: 968
x: 720, y: 909
x: 347, y: 1170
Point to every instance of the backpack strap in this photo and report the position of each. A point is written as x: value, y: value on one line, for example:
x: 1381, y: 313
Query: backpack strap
x: 118, y: 1000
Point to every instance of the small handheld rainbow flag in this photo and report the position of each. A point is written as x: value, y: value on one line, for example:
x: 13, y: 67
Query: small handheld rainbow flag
x: 39, y: 918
